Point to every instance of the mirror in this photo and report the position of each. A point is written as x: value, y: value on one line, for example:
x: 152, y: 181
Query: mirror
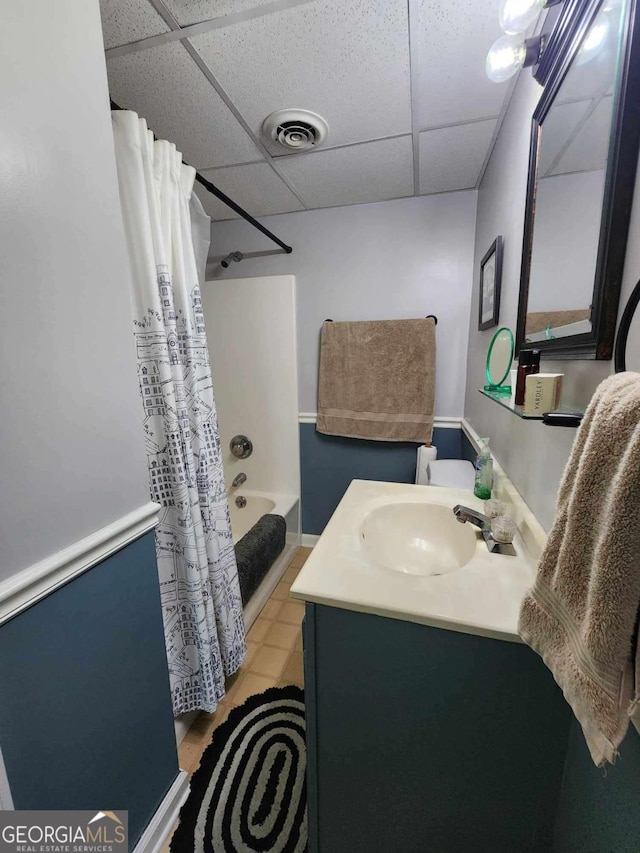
x: 627, y: 349
x: 583, y: 158
x: 499, y: 360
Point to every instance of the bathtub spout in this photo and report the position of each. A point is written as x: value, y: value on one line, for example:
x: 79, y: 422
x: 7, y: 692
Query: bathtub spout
x: 239, y: 480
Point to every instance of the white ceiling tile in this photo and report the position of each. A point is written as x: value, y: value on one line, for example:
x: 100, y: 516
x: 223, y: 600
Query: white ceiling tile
x: 255, y: 186
x: 453, y: 41
x: 165, y: 86
x: 373, y: 171
x: 451, y: 157
x: 345, y: 59
x: 194, y: 11
x: 124, y: 21
x: 588, y: 151
x: 557, y: 128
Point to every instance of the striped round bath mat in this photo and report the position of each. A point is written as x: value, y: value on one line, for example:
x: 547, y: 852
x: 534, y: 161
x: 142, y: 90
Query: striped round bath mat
x: 249, y: 793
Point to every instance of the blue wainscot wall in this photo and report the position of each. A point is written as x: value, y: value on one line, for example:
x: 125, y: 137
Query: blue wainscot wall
x: 329, y: 463
x: 599, y: 809
x: 85, y: 710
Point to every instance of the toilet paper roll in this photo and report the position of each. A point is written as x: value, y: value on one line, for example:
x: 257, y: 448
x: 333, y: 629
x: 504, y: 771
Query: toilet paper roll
x: 425, y: 455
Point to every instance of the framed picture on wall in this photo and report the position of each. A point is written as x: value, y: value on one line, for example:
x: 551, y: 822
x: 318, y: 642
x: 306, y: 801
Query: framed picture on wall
x: 490, y: 279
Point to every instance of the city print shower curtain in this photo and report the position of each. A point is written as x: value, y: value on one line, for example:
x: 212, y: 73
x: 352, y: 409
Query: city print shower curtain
x: 201, y: 603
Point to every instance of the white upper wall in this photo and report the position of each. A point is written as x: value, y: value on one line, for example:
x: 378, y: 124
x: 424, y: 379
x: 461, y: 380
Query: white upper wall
x: 533, y: 455
x: 72, y: 450
x: 394, y: 259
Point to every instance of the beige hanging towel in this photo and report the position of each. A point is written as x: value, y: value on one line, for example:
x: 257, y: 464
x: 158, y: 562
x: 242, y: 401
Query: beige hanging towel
x: 581, y: 614
x: 377, y: 379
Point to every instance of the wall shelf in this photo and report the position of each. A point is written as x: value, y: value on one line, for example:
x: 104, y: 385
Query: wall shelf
x: 569, y: 416
x: 507, y: 403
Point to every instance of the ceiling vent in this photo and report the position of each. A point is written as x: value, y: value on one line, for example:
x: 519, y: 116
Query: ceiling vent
x: 295, y: 130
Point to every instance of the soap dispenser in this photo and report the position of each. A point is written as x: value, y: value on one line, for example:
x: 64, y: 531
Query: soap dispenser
x: 484, y: 471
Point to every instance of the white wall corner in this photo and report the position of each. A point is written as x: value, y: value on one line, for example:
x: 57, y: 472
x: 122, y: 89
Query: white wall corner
x: 308, y: 540
x: 157, y: 830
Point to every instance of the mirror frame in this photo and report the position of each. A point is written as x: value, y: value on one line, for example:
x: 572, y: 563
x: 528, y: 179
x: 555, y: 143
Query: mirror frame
x: 624, y: 142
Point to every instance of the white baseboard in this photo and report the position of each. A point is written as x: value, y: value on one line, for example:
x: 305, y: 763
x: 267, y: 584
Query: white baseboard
x: 30, y: 585
x: 160, y: 825
x: 308, y: 540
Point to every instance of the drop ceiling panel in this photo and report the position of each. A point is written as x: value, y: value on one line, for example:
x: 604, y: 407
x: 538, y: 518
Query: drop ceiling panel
x: 168, y: 89
x: 345, y: 59
x: 451, y: 158
x: 453, y: 41
x: 255, y: 186
x: 124, y: 21
x: 374, y: 171
x: 193, y: 11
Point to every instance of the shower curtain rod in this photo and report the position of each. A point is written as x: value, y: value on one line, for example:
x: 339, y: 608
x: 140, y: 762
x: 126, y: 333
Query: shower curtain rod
x: 213, y: 189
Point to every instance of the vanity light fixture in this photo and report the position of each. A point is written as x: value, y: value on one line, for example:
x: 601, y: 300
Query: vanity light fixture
x: 513, y: 51
x: 509, y: 54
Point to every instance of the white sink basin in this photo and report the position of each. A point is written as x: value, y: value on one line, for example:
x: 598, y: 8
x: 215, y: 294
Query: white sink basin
x: 417, y: 538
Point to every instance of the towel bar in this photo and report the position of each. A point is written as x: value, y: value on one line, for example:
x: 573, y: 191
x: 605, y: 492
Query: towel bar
x: 429, y: 316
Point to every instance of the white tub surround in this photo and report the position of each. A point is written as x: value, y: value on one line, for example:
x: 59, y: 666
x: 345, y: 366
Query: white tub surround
x: 483, y: 597
x: 251, y: 328
x: 251, y: 332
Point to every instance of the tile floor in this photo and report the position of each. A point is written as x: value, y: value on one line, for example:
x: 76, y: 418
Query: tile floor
x: 274, y: 658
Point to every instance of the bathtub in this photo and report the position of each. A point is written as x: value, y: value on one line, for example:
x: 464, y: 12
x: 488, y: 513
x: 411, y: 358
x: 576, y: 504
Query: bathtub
x: 242, y: 520
x: 258, y: 504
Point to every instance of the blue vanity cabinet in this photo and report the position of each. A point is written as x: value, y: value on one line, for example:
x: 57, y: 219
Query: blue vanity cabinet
x: 427, y: 740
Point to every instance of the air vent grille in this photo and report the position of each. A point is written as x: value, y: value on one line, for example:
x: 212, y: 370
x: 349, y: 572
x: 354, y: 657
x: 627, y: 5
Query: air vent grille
x: 295, y: 130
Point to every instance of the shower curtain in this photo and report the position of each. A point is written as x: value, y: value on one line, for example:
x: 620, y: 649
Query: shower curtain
x: 202, y: 609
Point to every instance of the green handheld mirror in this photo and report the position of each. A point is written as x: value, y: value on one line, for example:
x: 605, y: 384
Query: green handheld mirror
x: 499, y: 360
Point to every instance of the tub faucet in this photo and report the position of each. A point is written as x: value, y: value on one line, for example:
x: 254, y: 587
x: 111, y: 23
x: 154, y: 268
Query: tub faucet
x: 465, y: 513
x: 239, y: 480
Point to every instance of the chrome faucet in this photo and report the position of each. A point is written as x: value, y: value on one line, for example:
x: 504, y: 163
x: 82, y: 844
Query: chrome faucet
x: 465, y: 513
x: 239, y: 480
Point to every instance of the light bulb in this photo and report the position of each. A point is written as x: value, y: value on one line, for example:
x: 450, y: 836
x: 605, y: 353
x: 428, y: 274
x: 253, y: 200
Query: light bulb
x: 505, y: 57
x: 516, y: 15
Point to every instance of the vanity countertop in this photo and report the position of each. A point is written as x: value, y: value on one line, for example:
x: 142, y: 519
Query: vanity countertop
x: 483, y: 597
